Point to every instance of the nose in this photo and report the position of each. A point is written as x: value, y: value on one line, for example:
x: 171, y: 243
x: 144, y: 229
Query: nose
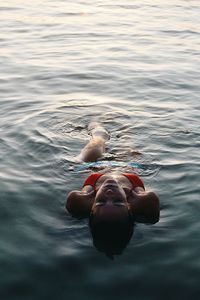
x: 109, y: 192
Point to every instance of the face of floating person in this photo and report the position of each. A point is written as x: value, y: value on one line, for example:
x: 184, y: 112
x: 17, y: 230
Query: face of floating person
x: 110, y: 201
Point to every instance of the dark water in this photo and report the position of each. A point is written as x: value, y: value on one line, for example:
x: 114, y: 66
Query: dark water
x: 133, y: 65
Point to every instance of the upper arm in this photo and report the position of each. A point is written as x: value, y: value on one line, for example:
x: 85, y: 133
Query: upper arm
x: 151, y: 207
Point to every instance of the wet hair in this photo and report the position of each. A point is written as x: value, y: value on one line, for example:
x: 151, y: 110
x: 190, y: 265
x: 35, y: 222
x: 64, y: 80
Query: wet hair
x: 111, y: 235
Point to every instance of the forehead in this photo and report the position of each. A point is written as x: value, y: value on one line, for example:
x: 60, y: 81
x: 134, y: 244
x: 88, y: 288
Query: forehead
x: 111, y: 212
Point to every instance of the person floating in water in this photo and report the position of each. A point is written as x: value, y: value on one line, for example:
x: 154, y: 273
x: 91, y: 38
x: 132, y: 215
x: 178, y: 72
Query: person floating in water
x: 112, y: 201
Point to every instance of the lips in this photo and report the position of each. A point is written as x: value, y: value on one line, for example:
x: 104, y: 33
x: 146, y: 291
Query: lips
x: 110, y: 183
x: 110, y: 186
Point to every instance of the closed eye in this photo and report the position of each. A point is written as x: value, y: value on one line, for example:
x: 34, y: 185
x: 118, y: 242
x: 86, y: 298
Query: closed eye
x: 115, y: 202
x: 119, y: 204
x: 99, y: 203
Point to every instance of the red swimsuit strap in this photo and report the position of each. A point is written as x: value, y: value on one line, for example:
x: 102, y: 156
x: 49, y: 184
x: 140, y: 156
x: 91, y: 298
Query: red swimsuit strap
x: 134, y: 179
x: 92, y: 179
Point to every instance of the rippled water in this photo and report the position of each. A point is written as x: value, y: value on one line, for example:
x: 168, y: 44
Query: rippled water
x: 133, y: 65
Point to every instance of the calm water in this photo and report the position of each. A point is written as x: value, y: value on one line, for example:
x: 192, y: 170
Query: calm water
x: 135, y: 66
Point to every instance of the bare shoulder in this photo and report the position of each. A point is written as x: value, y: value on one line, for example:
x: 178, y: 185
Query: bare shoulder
x: 72, y: 203
x: 79, y: 203
x: 145, y: 205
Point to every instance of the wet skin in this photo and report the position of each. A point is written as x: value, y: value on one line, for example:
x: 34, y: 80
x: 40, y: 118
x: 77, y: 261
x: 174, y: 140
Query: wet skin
x: 110, y: 200
x: 113, y: 193
x: 113, y: 197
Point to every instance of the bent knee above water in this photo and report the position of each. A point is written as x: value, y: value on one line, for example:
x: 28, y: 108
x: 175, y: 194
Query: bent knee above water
x: 92, y: 154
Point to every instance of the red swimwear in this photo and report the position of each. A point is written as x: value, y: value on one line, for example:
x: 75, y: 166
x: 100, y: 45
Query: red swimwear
x: 134, y: 179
